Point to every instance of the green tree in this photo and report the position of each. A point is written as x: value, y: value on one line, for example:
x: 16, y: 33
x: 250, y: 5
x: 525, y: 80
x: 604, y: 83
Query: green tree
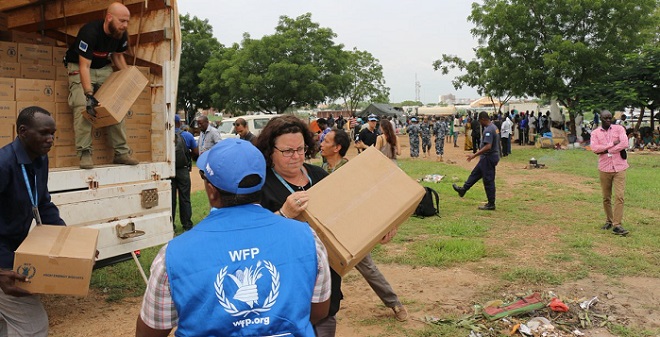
x: 298, y: 65
x: 197, y: 46
x: 553, y: 47
x: 362, y: 80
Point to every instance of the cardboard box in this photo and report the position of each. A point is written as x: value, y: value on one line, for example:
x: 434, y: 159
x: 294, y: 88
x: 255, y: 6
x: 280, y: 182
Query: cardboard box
x: 7, y: 89
x: 61, y: 91
x: 58, y: 56
x: 49, y: 106
x: 61, y: 73
x: 7, y: 133
x: 7, y: 112
x: 383, y: 198
x: 10, y: 69
x: 38, y: 71
x: 117, y: 95
x: 57, y: 259
x: 8, y: 52
x: 35, y: 54
x: 65, y: 155
x: 35, y: 90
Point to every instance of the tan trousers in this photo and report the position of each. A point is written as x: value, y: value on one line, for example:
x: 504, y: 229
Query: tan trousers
x: 618, y: 181
x: 82, y: 127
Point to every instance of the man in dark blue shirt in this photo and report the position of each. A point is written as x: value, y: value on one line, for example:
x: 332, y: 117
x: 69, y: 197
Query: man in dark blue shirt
x: 24, y: 197
x: 489, y: 156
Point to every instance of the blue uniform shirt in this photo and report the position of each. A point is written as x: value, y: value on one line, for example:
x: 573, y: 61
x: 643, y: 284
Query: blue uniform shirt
x: 191, y: 143
x: 15, y: 205
x: 491, y: 136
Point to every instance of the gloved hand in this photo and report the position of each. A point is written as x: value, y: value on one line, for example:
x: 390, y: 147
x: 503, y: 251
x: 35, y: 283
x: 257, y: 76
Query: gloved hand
x: 91, y: 103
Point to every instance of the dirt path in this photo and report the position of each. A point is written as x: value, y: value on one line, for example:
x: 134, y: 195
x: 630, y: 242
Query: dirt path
x: 426, y: 291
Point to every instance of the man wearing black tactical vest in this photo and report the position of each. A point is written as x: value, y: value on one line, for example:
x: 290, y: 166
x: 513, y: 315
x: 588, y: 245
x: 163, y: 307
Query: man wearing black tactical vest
x: 89, y: 60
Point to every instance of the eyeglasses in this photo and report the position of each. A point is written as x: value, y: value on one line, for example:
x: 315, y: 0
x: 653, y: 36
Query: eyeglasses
x: 289, y: 153
x: 237, y: 124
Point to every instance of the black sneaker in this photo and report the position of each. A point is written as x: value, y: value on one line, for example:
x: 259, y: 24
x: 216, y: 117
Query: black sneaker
x: 487, y: 207
x: 618, y: 230
x: 460, y: 190
x: 607, y: 226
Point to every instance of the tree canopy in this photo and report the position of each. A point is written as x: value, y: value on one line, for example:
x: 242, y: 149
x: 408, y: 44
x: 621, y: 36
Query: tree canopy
x: 197, y: 45
x: 362, y: 80
x: 555, y: 48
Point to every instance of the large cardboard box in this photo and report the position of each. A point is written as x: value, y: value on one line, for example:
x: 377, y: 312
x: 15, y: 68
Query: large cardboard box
x: 61, y: 91
x: 35, y: 90
x: 363, y: 209
x: 57, y: 259
x: 8, y: 52
x: 38, y: 71
x: 117, y: 95
x: 7, y: 112
x: 7, y: 89
x: 35, y: 54
x: 58, y: 56
x: 10, y: 69
x: 7, y: 133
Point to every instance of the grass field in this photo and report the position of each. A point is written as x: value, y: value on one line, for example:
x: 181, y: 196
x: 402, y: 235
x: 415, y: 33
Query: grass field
x: 545, y: 232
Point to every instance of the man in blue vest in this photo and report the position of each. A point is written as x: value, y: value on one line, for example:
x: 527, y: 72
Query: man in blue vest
x: 242, y: 270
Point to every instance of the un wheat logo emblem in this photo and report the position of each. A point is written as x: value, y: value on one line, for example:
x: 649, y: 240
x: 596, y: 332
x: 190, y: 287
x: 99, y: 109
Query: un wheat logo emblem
x: 246, y: 281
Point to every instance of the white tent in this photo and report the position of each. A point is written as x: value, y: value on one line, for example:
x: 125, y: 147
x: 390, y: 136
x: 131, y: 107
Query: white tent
x: 436, y: 110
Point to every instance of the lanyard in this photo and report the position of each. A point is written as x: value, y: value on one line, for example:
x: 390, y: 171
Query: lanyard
x: 288, y: 187
x: 33, y: 198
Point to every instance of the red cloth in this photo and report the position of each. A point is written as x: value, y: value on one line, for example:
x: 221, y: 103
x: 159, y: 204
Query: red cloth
x: 557, y: 305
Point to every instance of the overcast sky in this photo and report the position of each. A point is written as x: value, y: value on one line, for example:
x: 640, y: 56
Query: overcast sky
x: 405, y: 36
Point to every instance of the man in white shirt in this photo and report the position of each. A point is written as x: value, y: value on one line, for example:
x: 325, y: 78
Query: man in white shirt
x: 506, y: 136
x: 208, y: 135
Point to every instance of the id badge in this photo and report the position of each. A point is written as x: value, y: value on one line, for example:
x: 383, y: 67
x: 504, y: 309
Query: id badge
x: 35, y: 213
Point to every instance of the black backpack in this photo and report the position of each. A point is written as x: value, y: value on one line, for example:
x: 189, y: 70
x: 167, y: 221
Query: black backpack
x: 427, y: 207
x: 182, y: 155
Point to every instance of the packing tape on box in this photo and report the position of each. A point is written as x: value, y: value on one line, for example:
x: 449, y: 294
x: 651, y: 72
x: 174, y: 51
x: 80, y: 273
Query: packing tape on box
x: 59, y: 242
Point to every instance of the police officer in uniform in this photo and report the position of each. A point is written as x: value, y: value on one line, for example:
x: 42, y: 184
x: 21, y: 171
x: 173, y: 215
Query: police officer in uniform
x: 426, y: 129
x: 89, y: 60
x: 413, y: 132
x: 489, y: 156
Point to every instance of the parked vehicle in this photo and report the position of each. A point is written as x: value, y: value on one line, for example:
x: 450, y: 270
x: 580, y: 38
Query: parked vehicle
x: 255, y: 123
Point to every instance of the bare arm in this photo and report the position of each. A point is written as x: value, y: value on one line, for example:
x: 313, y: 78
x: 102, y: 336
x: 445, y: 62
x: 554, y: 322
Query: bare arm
x: 379, y: 142
x: 398, y: 147
x: 118, y: 60
x: 85, y: 77
x: 143, y: 330
x: 486, y: 148
x: 319, y: 311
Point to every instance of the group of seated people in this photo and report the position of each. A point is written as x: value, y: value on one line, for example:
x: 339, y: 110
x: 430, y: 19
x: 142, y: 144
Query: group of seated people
x: 643, y: 139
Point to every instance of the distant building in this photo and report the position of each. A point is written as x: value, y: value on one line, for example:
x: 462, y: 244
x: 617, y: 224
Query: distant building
x: 448, y: 99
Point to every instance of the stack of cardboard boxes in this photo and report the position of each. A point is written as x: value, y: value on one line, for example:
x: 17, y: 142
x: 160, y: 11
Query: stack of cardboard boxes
x: 32, y: 73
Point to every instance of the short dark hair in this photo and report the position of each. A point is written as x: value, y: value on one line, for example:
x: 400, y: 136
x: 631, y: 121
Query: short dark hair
x: 229, y: 199
x: 241, y: 122
x: 26, y: 116
x: 281, y: 125
x: 484, y: 115
x: 343, y: 139
x: 321, y: 121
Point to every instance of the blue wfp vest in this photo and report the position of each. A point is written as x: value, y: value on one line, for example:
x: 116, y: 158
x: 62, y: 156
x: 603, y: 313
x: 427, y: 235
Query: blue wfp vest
x: 243, y: 271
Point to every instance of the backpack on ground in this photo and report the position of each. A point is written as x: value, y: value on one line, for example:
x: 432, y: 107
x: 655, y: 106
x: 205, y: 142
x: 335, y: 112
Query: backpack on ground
x: 427, y: 206
x: 182, y: 156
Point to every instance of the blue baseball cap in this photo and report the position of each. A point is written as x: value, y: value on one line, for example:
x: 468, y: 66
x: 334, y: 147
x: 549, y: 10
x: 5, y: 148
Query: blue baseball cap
x: 228, y: 162
x: 413, y: 119
x: 373, y: 117
x: 177, y: 118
